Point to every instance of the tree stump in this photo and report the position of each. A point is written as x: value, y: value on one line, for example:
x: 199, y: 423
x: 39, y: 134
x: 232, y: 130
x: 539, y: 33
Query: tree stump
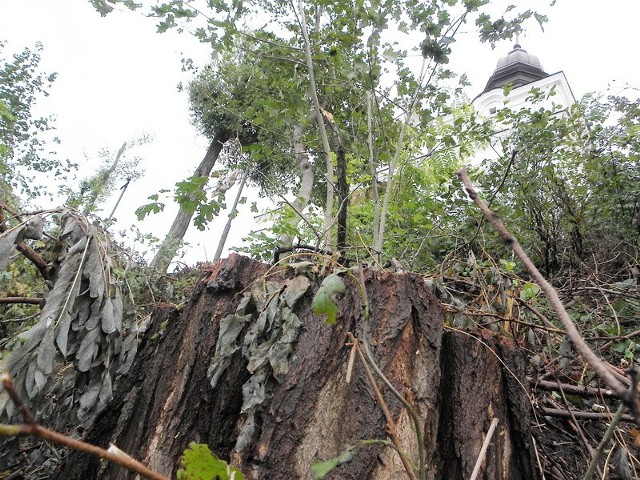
x: 203, y: 379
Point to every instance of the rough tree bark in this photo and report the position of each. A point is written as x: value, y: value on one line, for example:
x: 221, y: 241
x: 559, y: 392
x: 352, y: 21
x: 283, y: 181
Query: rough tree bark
x: 167, y: 250
x: 310, y: 412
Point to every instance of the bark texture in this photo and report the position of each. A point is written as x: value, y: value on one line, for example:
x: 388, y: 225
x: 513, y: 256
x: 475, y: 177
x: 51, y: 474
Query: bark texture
x: 309, y: 411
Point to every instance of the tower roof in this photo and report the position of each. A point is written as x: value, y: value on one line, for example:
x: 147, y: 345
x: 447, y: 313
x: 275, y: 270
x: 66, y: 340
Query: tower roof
x: 517, y: 68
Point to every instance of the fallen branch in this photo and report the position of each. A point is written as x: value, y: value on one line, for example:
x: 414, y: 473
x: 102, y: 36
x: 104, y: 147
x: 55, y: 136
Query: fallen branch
x: 35, y: 258
x: 28, y: 300
x: 31, y: 427
x: 571, y: 389
x: 576, y: 425
x: 500, y: 318
x: 561, y: 412
x: 25, y: 249
x: 574, y: 336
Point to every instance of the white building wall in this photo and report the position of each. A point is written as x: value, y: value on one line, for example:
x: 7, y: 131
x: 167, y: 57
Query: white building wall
x: 517, y: 97
x: 488, y: 103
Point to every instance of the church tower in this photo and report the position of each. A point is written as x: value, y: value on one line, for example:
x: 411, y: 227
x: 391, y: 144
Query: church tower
x: 523, y: 72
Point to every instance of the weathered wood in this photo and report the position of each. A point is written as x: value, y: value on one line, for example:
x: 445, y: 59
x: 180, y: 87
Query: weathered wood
x: 455, y: 382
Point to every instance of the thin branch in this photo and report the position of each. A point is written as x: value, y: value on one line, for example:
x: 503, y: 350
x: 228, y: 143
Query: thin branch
x: 500, y: 318
x: 300, y: 214
x: 374, y: 177
x: 232, y: 215
x: 535, y: 449
x: 113, y: 454
x: 572, y: 332
x: 561, y: 412
x: 13, y: 394
x: 22, y: 319
x: 575, y: 422
x: 495, y: 192
x: 603, y: 443
x: 27, y: 300
x: 33, y: 256
x: 306, y: 185
x: 504, y: 177
x: 483, y: 450
x: 394, y: 160
x: 537, y: 313
x: 269, y: 42
x: 391, y: 426
x: 572, y: 389
x: 319, y: 119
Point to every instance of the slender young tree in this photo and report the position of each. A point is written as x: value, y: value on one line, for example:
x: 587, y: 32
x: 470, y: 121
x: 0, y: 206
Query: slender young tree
x: 171, y: 243
x: 324, y: 59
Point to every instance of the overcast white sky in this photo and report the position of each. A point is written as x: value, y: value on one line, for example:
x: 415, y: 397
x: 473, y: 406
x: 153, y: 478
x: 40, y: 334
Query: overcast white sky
x: 117, y: 79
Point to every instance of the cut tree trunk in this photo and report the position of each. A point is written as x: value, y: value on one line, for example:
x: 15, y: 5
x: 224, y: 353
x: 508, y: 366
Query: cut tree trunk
x: 309, y: 411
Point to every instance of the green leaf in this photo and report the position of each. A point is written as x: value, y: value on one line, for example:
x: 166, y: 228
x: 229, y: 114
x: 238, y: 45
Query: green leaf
x: 149, y: 208
x: 323, y: 303
x: 529, y: 290
x: 319, y: 470
x: 102, y: 7
x: 198, y: 463
x: 507, y: 265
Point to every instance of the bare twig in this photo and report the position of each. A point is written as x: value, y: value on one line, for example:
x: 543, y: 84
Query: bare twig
x: 28, y: 300
x: 535, y: 449
x: 483, y: 450
x: 500, y: 318
x: 374, y: 178
x: 352, y: 357
x: 561, y: 412
x: 603, y: 443
x: 495, y: 192
x: 575, y: 422
x: 13, y: 394
x: 537, y: 313
x: 572, y: 332
x: 31, y: 427
x: 572, y: 389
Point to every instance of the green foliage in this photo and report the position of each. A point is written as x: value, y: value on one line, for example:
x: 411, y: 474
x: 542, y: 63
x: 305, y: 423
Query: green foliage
x: 320, y: 470
x: 198, y: 463
x: 153, y: 207
x: 258, y: 87
x: 324, y: 301
x: 118, y: 167
x: 570, y: 193
x: 25, y: 143
x: 529, y: 291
